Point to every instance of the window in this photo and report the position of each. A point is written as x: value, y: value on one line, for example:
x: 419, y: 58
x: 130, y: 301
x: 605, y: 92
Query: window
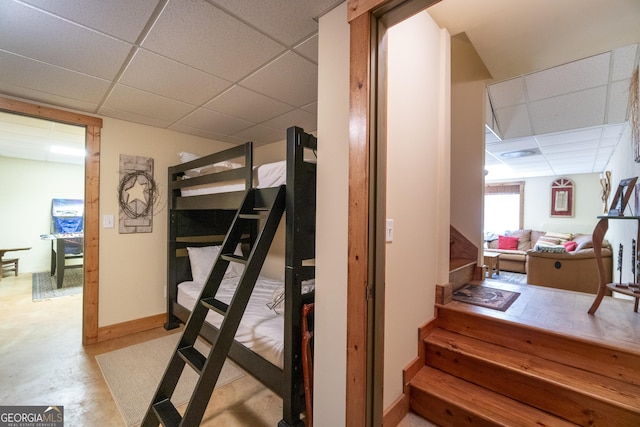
x: 503, y: 207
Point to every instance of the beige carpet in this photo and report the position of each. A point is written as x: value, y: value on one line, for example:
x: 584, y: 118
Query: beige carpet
x: 133, y: 373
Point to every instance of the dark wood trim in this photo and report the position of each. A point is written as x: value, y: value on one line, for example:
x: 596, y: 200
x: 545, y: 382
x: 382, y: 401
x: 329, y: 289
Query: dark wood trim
x: 92, y: 202
x: 397, y: 411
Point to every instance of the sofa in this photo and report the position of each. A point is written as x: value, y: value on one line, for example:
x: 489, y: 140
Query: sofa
x: 549, y: 259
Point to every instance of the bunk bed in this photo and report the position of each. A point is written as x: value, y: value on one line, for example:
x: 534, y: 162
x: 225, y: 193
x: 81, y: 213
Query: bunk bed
x: 204, y: 196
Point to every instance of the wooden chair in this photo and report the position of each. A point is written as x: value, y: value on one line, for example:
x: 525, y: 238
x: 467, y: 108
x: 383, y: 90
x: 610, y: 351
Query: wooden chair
x: 10, y: 264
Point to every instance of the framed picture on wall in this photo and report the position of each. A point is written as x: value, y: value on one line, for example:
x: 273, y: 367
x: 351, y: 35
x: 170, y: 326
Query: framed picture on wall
x: 562, y: 198
x: 622, y: 196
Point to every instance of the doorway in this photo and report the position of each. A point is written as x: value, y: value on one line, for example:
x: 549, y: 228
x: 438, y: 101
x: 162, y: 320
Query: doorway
x: 92, y: 127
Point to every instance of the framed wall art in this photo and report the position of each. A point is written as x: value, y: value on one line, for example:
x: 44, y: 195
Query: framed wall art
x: 562, y: 198
x: 622, y: 196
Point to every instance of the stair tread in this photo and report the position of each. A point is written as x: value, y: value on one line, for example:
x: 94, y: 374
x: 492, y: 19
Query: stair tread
x: 167, y: 414
x: 612, y: 390
x: 486, y: 404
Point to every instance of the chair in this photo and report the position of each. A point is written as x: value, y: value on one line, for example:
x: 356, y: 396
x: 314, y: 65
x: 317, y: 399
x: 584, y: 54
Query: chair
x: 10, y: 264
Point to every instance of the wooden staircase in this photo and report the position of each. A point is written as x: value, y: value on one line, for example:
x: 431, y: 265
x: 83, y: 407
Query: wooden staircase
x: 484, y: 371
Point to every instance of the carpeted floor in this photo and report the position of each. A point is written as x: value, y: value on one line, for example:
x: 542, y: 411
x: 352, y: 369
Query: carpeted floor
x: 510, y: 277
x: 133, y: 373
x: 44, y: 285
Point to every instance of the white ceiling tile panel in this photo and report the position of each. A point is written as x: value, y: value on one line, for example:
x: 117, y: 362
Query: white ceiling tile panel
x: 214, y: 122
x: 134, y: 117
x: 309, y: 49
x: 617, y: 103
x: 46, y: 98
x: 569, y: 137
x: 300, y: 118
x: 609, y: 142
x: 290, y: 78
x: 575, y: 110
x: 571, y: 77
x: 154, y: 73
x: 55, y: 41
x: 507, y: 93
x: 512, y: 145
x: 132, y: 100
x: 613, y: 131
x: 27, y: 73
x: 285, y: 21
x: 624, y: 60
x: 120, y: 18
x: 311, y: 108
x: 248, y: 105
x: 261, y: 134
x: 200, y: 35
x: 570, y: 147
x: 513, y: 121
x: 178, y: 127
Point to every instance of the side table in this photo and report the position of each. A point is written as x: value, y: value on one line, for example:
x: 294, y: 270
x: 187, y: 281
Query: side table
x: 492, y: 262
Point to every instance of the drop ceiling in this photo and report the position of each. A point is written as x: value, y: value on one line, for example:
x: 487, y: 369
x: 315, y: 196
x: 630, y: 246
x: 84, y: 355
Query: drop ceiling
x: 238, y: 70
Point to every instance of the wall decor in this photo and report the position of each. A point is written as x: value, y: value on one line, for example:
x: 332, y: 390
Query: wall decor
x: 562, y: 197
x: 634, y: 114
x: 136, y: 194
x: 622, y: 196
x: 605, y: 181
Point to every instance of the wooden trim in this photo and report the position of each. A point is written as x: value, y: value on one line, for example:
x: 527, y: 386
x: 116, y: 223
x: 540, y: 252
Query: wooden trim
x: 131, y: 327
x: 358, y: 8
x: 358, y: 251
x: 92, y: 201
x: 397, y: 411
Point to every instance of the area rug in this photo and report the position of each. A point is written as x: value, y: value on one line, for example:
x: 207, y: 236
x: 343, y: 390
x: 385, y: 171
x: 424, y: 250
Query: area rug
x: 485, y: 296
x: 44, y: 285
x: 133, y: 374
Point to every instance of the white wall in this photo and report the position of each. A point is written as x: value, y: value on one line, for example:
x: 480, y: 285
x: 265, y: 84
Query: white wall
x: 417, y: 187
x: 29, y: 186
x: 622, y: 166
x: 331, y: 220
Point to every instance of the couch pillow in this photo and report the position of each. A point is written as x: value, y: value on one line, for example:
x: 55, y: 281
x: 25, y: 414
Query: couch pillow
x: 524, y: 239
x: 584, y: 241
x: 547, y: 241
x: 550, y: 248
x: 570, y: 246
x: 508, y: 242
x: 562, y: 237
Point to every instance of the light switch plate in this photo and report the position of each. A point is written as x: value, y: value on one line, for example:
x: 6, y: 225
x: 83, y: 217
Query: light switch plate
x: 108, y: 221
x: 389, y: 231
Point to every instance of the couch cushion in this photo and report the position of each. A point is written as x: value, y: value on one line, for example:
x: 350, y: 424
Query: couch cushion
x: 508, y: 242
x: 562, y: 237
x: 584, y: 241
x: 524, y: 239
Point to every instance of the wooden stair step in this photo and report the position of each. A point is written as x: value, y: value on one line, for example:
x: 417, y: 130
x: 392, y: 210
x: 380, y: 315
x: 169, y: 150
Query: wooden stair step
x: 449, y: 401
x: 620, y: 363
x: 587, y: 398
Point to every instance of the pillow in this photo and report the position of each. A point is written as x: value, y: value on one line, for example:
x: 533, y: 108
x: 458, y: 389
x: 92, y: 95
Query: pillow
x: 547, y: 241
x: 550, y: 248
x: 570, y: 246
x: 562, y: 237
x: 235, y: 269
x: 507, y: 242
x: 202, y: 259
x: 584, y: 241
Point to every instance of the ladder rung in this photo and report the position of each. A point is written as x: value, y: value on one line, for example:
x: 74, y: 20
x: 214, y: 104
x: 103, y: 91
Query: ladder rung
x: 216, y: 305
x: 250, y: 216
x: 167, y: 414
x: 234, y: 258
x: 193, y: 357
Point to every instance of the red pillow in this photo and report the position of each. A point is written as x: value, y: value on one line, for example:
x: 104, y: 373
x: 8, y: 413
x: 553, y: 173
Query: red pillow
x: 570, y: 246
x: 507, y: 242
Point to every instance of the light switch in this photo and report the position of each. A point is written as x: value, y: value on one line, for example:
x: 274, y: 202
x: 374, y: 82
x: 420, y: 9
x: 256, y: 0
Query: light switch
x: 389, y: 231
x: 107, y: 221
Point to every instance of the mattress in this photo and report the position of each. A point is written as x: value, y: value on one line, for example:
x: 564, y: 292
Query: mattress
x: 261, y: 329
x: 264, y: 176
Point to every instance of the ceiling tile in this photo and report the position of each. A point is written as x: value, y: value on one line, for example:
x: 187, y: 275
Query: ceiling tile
x: 46, y: 98
x: 23, y: 72
x: 572, y: 136
x: 247, y: 104
x: 513, y: 122
x: 575, y: 110
x: 214, y: 122
x: 617, y: 102
x: 290, y: 78
x: 507, y: 146
x: 178, y: 127
x: 570, y: 147
x: 281, y: 19
x: 123, y: 19
x: 574, y: 76
x: 31, y: 33
x: 132, y: 100
x: 261, y: 135
x: 156, y: 74
x: 309, y: 49
x: 624, y: 59
x: 133, y: 117
x: 300, y: 118
x: 200, y: 35
x: 507, y: 93
x: 311, y: 108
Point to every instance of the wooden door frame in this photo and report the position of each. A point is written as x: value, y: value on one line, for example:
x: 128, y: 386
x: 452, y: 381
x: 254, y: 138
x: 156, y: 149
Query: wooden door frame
x: 93, y: 126
x: 365, y: 260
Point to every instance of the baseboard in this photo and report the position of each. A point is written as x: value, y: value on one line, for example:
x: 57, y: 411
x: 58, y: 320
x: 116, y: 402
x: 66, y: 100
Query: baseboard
x: 396, y: 412
x: 131, y: 327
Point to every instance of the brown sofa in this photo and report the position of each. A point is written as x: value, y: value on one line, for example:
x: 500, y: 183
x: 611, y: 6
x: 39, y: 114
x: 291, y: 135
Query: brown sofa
x: 576, y: 270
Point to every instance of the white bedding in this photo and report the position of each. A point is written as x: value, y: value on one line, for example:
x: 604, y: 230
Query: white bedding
x: 261, y: 329
x: 264, y: 176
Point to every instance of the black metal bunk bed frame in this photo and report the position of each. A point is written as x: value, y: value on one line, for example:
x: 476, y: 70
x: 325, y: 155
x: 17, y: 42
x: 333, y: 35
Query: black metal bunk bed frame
x: 204, y: 220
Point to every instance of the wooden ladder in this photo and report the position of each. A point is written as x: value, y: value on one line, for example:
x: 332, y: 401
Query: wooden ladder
x: 267, y: 204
